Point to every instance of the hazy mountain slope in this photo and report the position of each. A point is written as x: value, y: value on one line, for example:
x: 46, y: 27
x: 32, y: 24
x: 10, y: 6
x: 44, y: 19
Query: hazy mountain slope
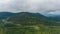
x: 55, y: 18
x: 4, y: 15
x: 28, y: 18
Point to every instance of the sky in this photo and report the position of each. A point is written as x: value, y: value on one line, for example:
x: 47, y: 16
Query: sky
x: 40, y: 6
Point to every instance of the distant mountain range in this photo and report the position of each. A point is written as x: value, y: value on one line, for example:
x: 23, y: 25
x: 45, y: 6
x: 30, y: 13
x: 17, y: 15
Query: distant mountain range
x: 55, y: 18
x: 28, y: 23
x: 4, y: 15
x: 27, y: 18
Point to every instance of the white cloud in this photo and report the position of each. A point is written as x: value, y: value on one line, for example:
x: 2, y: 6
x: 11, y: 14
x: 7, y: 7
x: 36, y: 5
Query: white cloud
x: 29, y: 5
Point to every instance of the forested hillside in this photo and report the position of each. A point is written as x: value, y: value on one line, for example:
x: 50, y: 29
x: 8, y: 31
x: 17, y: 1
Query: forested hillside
x: 29, y: 23
x: 26, y: 18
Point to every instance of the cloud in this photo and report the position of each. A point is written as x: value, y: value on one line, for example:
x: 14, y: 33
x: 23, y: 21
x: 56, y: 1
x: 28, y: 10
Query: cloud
x: 29, y: 5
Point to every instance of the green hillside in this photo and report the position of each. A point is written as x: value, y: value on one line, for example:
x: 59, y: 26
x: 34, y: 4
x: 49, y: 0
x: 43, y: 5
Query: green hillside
x: 29, y: 23
x: 26, y: 18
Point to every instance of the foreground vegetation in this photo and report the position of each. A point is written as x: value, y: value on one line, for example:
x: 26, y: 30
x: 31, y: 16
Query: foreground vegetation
x: 32, y: 29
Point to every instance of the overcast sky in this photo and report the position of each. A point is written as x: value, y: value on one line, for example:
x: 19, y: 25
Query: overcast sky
x: 30, y: 5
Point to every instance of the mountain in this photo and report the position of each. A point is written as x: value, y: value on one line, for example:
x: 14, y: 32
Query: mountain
x: 53, y: 15
x: 54, y: 18
x: 28, y: 23
x: 4, y: 15
x: 27, y: 18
